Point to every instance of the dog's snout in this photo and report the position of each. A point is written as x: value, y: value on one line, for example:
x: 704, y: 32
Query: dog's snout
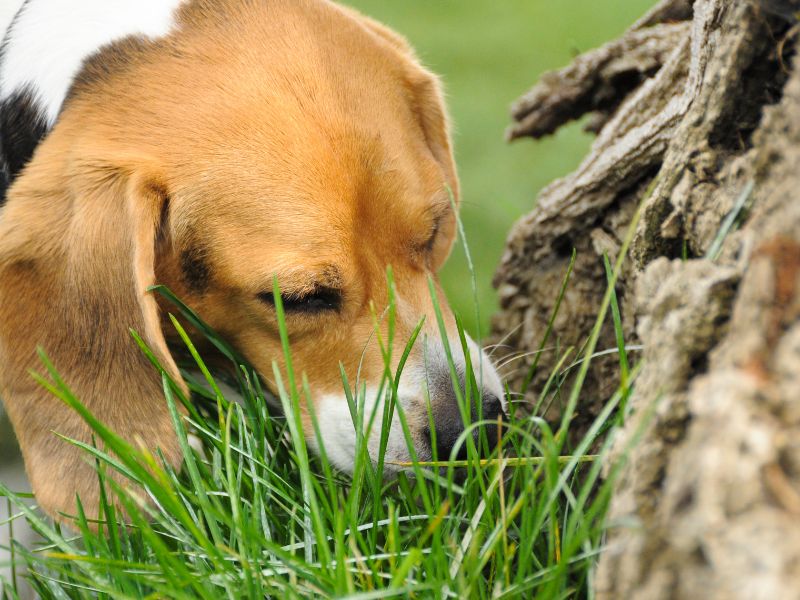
x: 449, y: 427
x: 446, y: 439
x: 492, y: 407
x: 492, y: 411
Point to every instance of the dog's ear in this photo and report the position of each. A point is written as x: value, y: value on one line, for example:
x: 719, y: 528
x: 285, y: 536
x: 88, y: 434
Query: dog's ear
x: 425, y: 95
x: 77, y: 253
x: 427, y: 103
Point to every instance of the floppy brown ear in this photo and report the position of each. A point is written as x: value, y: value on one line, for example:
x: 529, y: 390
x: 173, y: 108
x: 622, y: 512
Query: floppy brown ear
x: 76, y: 257
x: 427, y: 102
x: 425, y: 95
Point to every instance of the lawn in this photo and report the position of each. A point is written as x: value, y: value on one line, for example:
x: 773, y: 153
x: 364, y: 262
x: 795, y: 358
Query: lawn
x: 488, y: 52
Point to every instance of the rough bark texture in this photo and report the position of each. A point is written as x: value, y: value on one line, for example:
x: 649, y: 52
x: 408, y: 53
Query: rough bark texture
x: 707, y: 110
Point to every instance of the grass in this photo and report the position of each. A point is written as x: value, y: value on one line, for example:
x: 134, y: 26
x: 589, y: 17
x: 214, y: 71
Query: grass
x: 254, y: 515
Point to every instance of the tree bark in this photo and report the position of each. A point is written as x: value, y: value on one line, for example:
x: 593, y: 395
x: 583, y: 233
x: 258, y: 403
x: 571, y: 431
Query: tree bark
x: 699, y: 104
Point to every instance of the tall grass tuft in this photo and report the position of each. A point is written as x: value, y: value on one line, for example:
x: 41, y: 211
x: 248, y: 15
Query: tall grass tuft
x: 252, y: 514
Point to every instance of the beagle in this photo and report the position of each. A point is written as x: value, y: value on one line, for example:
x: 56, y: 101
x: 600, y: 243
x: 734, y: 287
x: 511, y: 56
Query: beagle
x: 211, y: 145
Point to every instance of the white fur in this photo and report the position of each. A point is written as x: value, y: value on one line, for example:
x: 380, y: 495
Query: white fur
x: 336, y: 424
x: 339, y: 433
x: 50, y: 39
x: 8, y: 9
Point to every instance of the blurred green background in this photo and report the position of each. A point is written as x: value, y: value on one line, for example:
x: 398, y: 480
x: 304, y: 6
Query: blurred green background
x: 488, y: 53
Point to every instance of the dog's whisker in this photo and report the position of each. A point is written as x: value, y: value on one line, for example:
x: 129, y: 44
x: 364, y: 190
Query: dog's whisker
x: 513, y: 373
x: 505, y: 338
x: 518, y: 356
x: 490, y: 350
x: 492, y: 347
x: 598, y: 354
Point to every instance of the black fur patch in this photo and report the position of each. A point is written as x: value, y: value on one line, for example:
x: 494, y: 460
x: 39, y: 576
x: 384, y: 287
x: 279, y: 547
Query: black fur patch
x: 22, y: 127
x: 5, y: 170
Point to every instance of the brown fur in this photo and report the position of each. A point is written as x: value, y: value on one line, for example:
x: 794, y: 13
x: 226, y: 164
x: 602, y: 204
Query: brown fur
x: 289, y: 138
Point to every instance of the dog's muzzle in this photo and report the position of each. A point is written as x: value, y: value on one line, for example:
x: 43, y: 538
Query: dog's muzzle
x: 453, y: 413
x: 438, y: 418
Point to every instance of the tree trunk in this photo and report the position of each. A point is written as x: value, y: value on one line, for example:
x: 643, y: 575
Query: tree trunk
x: 697, y: 109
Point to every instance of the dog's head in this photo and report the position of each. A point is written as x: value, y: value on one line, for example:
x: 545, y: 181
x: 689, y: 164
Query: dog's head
x: 289, y: 140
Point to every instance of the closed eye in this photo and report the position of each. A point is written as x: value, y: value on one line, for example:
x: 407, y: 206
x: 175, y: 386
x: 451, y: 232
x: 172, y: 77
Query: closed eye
x: 318, y: 301
x: 434, y: 234
x: 440, y: 215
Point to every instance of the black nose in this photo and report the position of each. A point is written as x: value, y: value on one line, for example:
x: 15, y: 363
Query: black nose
x: 492, y: 409
x: 449, y: 426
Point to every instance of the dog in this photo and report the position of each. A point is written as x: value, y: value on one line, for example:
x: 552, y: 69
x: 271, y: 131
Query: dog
x: 211, y: 146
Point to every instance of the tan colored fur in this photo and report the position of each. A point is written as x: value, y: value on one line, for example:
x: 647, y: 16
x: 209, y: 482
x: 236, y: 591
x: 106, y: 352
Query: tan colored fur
x: 289, y: 138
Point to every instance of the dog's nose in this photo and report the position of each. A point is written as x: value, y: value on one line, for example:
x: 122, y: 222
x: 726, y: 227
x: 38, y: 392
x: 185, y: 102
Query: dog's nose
x: 449, y: 427
x: 492, y: 410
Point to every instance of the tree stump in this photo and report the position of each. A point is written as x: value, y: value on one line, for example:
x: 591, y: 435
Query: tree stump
x: 699, y: 104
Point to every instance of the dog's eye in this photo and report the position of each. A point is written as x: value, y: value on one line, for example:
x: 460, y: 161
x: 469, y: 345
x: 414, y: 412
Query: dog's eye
x: 434, y: 234
x: 318, y: 301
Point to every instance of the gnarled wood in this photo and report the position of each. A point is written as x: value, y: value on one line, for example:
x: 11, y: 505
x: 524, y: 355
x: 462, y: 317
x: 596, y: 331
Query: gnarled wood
x: 713, y: 486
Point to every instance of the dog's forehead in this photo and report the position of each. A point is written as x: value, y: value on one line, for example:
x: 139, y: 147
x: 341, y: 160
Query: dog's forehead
x: 318, y: 202
x: 323, y: 175
x: 304, y: 217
